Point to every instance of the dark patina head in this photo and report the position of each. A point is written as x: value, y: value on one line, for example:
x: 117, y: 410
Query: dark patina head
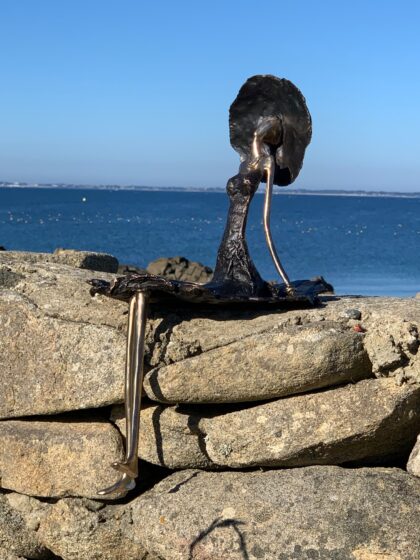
x: 263, y: 97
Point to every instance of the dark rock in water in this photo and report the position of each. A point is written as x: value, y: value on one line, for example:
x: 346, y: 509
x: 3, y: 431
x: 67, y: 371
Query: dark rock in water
x: 180, y: 268
x: 2, y: 248
x: 130, y: 269
x: 173, y: 268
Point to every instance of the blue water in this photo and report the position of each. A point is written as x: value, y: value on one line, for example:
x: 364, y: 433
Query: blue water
x: 361, y: 245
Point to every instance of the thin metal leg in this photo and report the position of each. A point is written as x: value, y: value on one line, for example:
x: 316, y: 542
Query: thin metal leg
x: 269, y: 167
x: 130, y: 465
x: 130, y: 359
x: 137, y: 319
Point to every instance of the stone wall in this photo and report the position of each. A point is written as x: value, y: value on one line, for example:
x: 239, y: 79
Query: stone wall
x: 263, y: 435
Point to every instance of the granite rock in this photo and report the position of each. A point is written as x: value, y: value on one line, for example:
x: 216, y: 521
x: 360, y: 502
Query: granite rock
x: 69, y: 352
x: 54, y: 365
x: 57, y: 290
x: 393, y: 349
x: 261, y: 366
x: 413, y: 465
x: 100, y: 262
x: 387, y: 325
x: 369, y: 420
x: 58, y: 458
x: 80, y: 529
x: 30, y: 509
x: 321, y: 512
x: 71, y: 347
x: 7, y: 555
x: 169, y: 436
x: 15, y: 537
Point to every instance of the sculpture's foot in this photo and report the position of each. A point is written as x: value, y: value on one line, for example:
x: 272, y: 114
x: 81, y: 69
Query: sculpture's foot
x: 128, y: 467
x: 120, y: 488
x: 290, y: 290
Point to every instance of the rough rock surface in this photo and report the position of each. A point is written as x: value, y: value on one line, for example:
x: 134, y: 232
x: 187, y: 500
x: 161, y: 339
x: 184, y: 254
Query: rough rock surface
x: 16, y: 537
x: 369, y: 420
x: 101, y: 262
x: 389, y: 327
x: 321, y: 512
x: 57, y: 290
x: 413, y: 465
x: 393, y: 349
x: 326, y: 513
x: 169, y: 437
x: 62, y: 350
x: 83, y: 259
x: 54, y: 365
x: 284, y: 361
x: 180, y: 268
x: 66, y: 458
x: 6, y: 555
x: 80, y: 529
x: 69, y: 353
x: 68, y: 340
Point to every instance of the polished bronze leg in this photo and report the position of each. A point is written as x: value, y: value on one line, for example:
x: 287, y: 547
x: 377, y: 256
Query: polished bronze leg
x: 137, y: 318
x: 269, y: 169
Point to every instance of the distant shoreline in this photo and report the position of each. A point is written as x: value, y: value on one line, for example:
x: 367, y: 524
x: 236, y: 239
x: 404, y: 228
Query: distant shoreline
x: 281, y: 191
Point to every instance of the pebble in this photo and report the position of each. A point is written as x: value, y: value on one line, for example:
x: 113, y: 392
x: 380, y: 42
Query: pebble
x: 353, y: 314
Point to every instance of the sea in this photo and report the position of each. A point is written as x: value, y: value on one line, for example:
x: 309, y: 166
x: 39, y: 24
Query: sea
x: 367, y: 245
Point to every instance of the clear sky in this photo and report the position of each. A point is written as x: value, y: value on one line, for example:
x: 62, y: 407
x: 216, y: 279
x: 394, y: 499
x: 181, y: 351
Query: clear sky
x: 137, y: 92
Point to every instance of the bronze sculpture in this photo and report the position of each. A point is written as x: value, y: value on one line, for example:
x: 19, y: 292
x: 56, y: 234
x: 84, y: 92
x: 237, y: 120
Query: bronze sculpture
x: 270, y: 127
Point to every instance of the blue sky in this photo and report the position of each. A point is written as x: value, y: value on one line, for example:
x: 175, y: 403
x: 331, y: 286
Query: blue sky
x: 136, y: 92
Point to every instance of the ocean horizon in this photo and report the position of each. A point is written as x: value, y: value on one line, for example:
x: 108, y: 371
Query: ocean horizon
x: 362, y: 244
x: 278, y: 191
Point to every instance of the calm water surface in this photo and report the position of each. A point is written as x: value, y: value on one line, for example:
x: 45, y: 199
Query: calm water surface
x: 361, y: 245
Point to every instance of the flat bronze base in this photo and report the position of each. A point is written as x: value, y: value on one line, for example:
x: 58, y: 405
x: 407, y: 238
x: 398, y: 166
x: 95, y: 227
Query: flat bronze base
x: 301, y: 293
